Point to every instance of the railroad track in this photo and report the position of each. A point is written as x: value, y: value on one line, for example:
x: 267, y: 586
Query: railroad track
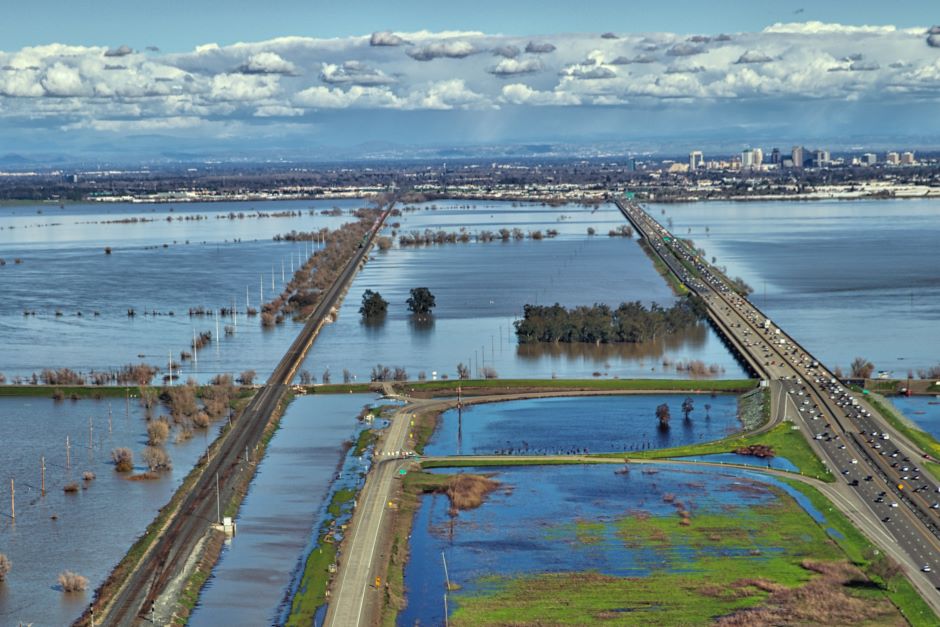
x: 227, y: 466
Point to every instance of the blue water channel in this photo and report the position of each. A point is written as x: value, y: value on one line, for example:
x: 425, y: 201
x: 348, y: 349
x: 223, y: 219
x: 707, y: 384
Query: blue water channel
x: 572, y: 425
x: 282, y: 511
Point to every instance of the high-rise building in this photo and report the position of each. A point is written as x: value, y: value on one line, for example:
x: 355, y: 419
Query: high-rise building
x: 869, y: 158
x: 747, y: 159
x: 797, y: 156
x: 775, y: 156
x: 696, y: 160
x: 758, y: 157
x: 892, y: 158
x: 822, y: 159
x: 907, y: 158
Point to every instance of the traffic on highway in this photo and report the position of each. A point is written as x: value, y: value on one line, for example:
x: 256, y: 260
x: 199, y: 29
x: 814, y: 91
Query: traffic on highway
x: 867, y: 455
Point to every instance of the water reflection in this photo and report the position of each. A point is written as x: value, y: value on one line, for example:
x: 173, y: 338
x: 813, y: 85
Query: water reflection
x: 695, y: 337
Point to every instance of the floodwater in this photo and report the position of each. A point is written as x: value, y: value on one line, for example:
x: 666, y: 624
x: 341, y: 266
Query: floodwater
x: 283, y: 508
x: 530, y: 525
x: 844, y: 278
x: 481, y: 287
x: 924, y: 410
x: 592, y: 424
x: 208, y: 263
x: 87, y: 532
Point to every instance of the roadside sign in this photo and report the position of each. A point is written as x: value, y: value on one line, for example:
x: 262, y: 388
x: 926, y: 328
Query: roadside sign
x: 402, y: 471
x: 378, y: 582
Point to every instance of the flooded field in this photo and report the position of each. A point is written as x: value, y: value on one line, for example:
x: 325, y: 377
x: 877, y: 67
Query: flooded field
x: 924, y: 410
x: 846, y: 279
x: 87, y: 531
x: 173, y: 263
x: 169, y: 264
x: 481, y: 288
x: 552, y: 426
x: 561, y: 531
x: 281, y: 511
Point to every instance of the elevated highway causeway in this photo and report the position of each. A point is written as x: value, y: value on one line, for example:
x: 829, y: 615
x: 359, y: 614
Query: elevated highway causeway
x: 896, y: 502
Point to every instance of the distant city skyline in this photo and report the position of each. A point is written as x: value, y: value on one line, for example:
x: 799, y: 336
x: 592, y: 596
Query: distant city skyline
x: 111, y: 79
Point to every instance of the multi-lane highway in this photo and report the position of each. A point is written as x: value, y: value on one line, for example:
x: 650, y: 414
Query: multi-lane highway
x: 226, y: 468
x: 877, y: 466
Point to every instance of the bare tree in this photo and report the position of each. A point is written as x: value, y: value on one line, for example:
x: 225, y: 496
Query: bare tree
x: 123, y: 459
x: 347, y: 375
x: 687, y: 406
x: 247, y: 377
x: 157, y: 432
x: 861, y: 368
x: 72, y: 582
x: 662, y: 413
x: 463, y: 372
x: 325, y: 377
x: 156, y: 459
x: 305, y: 377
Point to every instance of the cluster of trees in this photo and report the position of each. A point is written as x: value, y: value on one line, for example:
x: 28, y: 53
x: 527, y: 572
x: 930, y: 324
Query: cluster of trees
x: 429, y: 236
x: 599, y: 324
x: 374, y: 307
x: 302, y: 293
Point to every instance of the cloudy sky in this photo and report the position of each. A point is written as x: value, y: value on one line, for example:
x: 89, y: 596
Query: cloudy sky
x: 96, y: 76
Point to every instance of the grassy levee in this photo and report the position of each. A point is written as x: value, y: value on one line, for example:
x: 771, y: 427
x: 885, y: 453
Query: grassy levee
x: 923, y: 440
x: 71, y: 391
x: 508, y: 460
x: 857, y: 548
x: 785, y: 441
x: 340, y: 388
x: 678, y: 288
x: 651, y: 385
x: 311, y: 592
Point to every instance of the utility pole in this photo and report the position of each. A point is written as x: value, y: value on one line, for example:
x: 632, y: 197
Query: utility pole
x: 261, y: 292
x: 42, y: 461
x: 195, y: 350
x: 247, y: 300
x: 283, y: 278
x: 68, y: 454
x: 109, y: 418
x: 12, y: 499
x: 218, y: 500
x: 91, y: 435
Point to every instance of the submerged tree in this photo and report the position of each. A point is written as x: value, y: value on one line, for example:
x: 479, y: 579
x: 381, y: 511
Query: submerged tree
x: 373, y: 306
x: 687, y: 406
x: 421, y: 301
x: 861, y: 368
x: 662, y: 413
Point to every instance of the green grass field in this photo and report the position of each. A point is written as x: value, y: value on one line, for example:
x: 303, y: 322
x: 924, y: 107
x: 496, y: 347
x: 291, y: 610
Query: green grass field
x: 785, y: 441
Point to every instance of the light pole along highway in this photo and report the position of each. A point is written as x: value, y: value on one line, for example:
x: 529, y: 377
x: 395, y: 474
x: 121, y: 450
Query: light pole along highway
x: 874, y: 463
x: 133, y: 602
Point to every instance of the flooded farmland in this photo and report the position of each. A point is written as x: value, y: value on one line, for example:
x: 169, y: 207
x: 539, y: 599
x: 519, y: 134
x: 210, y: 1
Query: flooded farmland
x: 578, y: 528
x: 595, y: 424
x: 837, y: 275
x: 87, y: 531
